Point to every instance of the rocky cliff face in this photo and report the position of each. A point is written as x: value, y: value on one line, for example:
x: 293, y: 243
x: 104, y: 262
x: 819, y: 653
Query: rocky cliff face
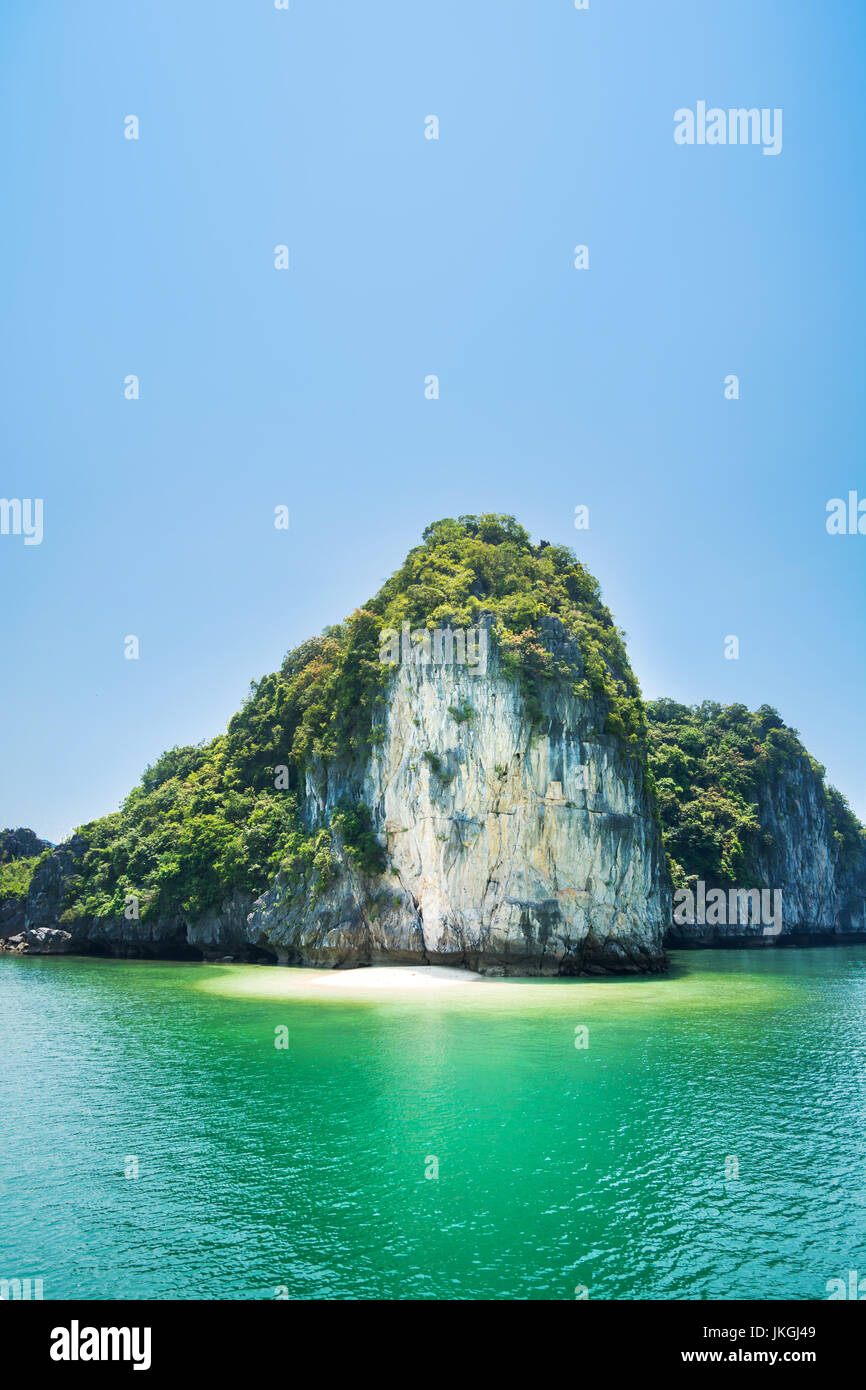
x: 15, y: 845
x: 11, y: 916
x: 510, y: 848
x: 822, y: 884
x: 20, y: 844
x: 824, y: 889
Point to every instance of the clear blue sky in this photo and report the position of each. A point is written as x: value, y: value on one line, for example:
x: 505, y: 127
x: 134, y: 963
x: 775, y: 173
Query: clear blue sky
x: 408, y: 257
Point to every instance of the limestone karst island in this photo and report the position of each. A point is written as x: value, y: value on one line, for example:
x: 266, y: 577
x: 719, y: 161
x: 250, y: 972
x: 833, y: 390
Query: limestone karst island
x: 463, y: 773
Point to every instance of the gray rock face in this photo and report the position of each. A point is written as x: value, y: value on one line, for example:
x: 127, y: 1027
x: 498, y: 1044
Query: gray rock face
x: 20, y: 844
x: 45, y: 898
x: 41, y: 941
x: 11, y: 916
x: 528, y: 852
x: 16, y: 844
x: 823, y: 890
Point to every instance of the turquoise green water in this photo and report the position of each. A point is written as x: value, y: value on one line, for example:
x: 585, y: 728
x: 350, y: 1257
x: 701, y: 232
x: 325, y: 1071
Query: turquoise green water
x: 304, y: 1169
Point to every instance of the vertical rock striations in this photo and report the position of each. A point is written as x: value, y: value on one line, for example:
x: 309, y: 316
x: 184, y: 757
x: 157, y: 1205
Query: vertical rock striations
x: 512, y: 847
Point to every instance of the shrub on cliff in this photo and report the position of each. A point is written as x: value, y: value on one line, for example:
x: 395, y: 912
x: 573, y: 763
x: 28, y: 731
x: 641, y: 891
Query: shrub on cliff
x: 15, y: 876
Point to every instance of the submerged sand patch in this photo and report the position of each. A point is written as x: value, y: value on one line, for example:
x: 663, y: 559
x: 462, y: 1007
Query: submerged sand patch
x: 696, y: 985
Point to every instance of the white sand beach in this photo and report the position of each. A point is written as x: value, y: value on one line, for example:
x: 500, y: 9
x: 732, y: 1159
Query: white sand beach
x: 377, y: 977
x: 376, y: 982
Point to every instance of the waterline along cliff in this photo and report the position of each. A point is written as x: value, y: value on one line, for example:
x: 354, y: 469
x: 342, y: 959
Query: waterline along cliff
x: 461, y: 773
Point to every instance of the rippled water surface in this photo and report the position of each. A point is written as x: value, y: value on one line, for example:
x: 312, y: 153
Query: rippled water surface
x: 304, y: 1169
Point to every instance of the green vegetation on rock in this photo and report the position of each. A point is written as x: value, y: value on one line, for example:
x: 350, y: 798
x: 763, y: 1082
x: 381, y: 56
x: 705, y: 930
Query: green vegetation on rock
x: 354, y: 823
x: 15, y: 876
x: 481, y: 565
x: 709, y: 763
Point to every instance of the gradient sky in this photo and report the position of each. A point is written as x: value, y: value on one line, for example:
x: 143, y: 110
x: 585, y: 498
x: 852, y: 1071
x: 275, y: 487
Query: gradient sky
x: 411, y: 256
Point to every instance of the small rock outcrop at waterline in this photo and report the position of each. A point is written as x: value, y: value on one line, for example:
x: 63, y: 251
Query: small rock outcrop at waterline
x: 461, y: 773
